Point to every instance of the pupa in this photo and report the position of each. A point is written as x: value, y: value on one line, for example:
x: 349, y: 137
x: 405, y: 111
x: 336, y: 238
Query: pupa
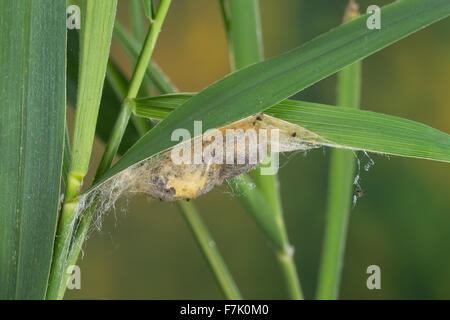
x: 161, y: 178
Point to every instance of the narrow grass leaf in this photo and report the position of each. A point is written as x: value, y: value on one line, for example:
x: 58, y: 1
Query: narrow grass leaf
x: 111, y: 96
x: 95, y: 40
x: 97, y: 20
x: 32, y: 121
x: 340, y: 127
x: 264, y: 84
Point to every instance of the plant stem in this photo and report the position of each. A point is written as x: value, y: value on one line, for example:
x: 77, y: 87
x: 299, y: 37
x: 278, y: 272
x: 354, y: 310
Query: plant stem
x: 120, y: 89
x: 272, y: 224
x: 342, y: 165
x: 75, y: 247
x: 285, y: 258
x: 62, y: 243
x: 209, y: 249
x: 115, y: 138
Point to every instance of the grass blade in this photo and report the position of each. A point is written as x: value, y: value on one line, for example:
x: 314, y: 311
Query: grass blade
x: 32, y: 121
x: 264, y: 84
x: 340, y: 127
x: 340, y: 183
x: 111, y: 96
x: 96, y: 32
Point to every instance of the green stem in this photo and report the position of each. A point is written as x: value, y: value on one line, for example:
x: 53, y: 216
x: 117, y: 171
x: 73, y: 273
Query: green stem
x: 115, y: 138
x: 209, y: 249
x: 340, y: 181
x: 64, y: 231
x: 119, y: 87
x: 272, y: 224
x: 75, y: 247
x: 285, y: 258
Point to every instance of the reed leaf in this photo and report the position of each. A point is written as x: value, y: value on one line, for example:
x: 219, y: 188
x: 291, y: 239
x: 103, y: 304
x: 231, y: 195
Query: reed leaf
x: 262, y: 85
x: 32, y: 117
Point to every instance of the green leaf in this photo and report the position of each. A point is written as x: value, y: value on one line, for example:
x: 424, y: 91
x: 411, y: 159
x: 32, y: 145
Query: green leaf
x: 32, y: 116
x: 264, y: 84
x: 339, y: 127
x: 95, y: 40
x: 97, y: 20
x: 111, y: 98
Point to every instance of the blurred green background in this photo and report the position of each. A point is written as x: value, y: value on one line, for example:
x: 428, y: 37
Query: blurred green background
x: 402, y: 223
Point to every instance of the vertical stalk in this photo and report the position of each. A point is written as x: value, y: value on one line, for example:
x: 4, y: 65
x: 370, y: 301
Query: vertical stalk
x: 244, y: 35
x: 141, y: 124
x: 342, y: 165
x: 209, y: 249
x: 138, y: 27
x: 272, y: 224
